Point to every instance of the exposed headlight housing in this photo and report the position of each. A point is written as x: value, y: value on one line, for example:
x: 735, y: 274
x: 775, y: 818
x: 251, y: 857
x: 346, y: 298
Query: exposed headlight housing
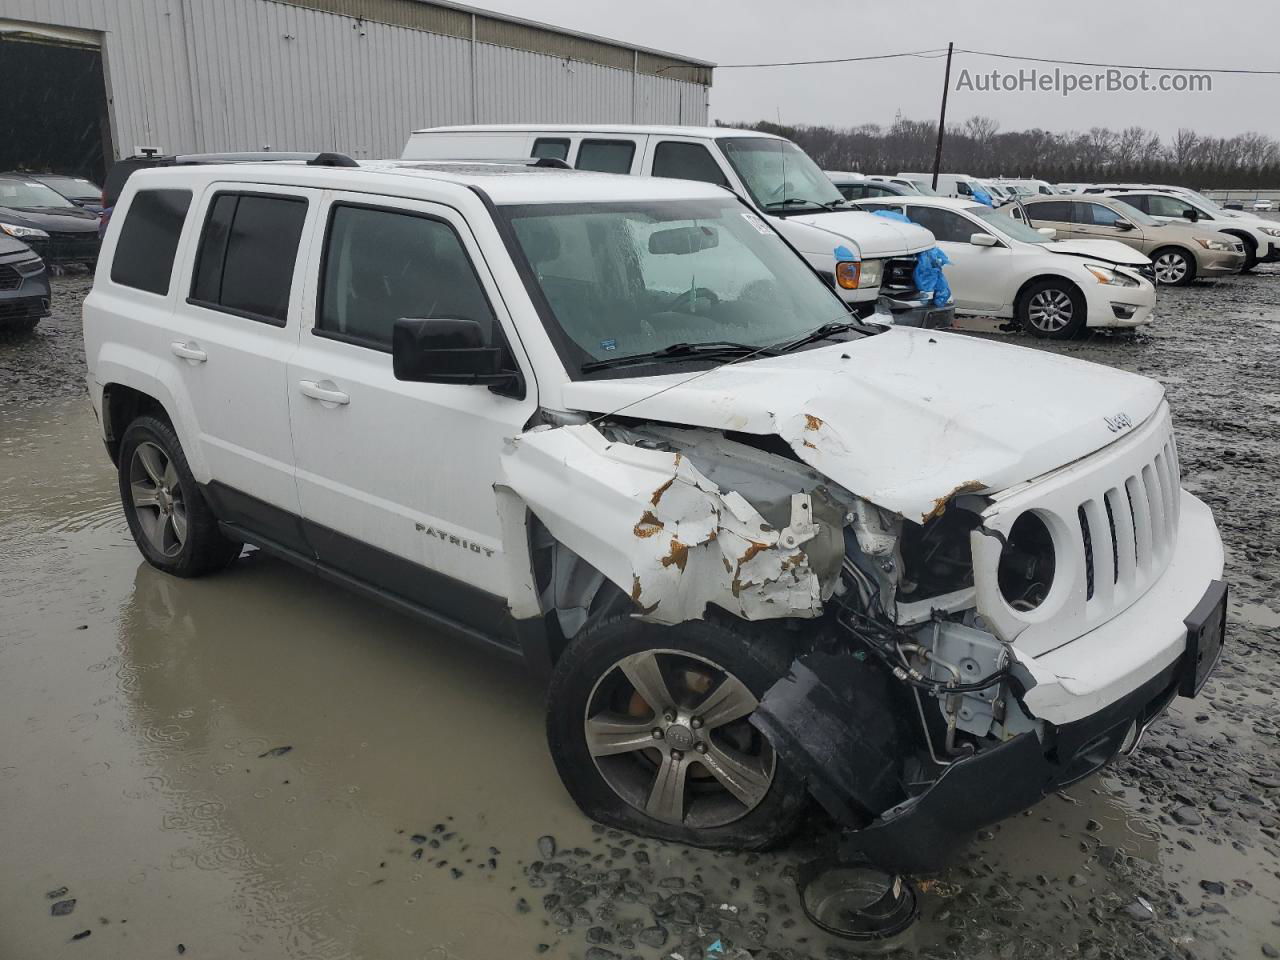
x: 1109, y: 276
x: 14, y: 230
x: 1209, y: 244
x: 1028, y: 562
x: 872, y: 272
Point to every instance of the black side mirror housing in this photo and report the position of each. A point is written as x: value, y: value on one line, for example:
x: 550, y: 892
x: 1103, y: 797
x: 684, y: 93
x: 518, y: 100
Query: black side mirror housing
x: 450, y: 350
x: 1191, y: 213
x: 1123, y: 225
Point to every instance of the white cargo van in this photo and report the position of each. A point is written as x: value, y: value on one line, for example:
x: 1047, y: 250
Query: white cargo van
x: 949, y: 184
x: 777, y: 177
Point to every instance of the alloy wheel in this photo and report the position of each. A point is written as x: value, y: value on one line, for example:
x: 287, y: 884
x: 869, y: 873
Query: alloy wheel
x: 1170, y: 268
x: 1050, y: 310
x: 157, y: 498
x: 668, y: 732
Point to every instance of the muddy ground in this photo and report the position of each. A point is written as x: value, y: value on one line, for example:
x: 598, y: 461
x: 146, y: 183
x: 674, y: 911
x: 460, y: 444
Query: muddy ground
x: 258, y: 764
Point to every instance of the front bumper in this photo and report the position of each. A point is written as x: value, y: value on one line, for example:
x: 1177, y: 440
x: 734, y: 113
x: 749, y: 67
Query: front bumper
x: 1219, y: 264
x: 913, y: 310
x: 1110, y: 305
x: 1269, y: 253
x: 24, y: 289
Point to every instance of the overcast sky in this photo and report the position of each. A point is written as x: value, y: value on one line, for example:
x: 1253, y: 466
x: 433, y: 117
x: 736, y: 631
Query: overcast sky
x: 1223, y: 33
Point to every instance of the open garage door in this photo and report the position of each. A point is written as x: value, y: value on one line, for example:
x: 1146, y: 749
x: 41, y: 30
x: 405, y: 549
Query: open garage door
x: 53, y: 105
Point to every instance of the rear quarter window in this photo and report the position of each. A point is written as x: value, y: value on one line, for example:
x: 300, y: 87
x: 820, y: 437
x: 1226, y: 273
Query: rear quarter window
x: 148, y: 240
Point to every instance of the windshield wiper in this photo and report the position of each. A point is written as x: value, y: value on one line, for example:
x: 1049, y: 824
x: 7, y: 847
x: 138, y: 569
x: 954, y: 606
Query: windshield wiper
x: 682, y: 351
x: 822, y: 333
x: 792, y: 201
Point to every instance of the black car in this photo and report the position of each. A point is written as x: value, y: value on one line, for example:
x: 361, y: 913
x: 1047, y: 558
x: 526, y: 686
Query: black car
x: 83, y: 193
x: 24, y: 286
x: 46, y: 221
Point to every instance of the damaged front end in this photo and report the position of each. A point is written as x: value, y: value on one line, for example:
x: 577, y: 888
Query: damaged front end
x: 902, y: 710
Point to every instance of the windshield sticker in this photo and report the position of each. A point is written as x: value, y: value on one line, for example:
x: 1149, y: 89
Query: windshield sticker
x: 756, y: 222
x: 608, y: 344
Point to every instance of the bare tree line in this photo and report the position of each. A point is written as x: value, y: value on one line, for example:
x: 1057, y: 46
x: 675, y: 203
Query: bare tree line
x: 979, y: 148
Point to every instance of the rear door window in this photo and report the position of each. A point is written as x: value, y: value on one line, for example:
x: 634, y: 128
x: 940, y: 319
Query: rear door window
x: 149, y: 240
x: 680, y: 160
x: 247, y: 253
x: 383, y: 265
x: 554, y: 148
x: 606, y: 156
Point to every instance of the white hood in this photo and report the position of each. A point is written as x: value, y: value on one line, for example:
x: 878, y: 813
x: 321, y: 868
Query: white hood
x: 872, y: 237
x: 1112, y: 251
x: 905, y: 418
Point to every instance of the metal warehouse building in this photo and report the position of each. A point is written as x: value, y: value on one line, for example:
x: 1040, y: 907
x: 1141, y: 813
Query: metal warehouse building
x: 88, y: 80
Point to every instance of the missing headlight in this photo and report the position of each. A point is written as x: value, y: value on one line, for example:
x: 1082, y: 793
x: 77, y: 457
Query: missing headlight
x: 1027, y: 563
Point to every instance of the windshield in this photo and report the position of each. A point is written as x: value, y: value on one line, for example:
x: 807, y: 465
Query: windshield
x: 1201, y: 199
x: 632, y: 278
x: 1014, y: 229
x: 1134, y: 214
x: 27, y: 193
x: 73, y: 187
x: 777, y: 171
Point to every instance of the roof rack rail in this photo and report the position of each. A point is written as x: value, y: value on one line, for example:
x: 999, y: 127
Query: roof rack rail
x: 331, y: 160
x: 554, y: 162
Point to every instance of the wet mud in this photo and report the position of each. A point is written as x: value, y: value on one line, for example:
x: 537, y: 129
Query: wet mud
x: 256, y: 764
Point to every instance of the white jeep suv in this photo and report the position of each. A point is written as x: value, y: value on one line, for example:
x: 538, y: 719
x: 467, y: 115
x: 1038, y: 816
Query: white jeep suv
x: 619, y: 427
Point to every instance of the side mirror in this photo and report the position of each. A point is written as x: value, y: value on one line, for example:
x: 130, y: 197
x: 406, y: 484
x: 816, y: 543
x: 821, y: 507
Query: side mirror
x: 1049, y: 232
x: 1191, y: 213
x: 448, y: 350
x: 983, y: 240
x: 1123, y: 225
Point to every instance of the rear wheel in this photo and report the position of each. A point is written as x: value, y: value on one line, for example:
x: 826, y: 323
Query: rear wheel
x: 172, y: 525
x: 649, y: 730
x: 1174, y: 267
x: 1053, y: 309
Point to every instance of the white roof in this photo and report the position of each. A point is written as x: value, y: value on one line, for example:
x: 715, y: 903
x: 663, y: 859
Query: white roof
x: 503, y: 182
x: 627, y: 129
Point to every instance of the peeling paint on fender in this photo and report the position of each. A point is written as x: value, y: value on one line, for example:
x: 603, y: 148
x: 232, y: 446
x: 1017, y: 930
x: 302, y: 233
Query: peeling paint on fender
x: 657, y: 527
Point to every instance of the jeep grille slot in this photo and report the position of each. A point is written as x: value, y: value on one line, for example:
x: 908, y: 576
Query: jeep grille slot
x: 1088, y: 550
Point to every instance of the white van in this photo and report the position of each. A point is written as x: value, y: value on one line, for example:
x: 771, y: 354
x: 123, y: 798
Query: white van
x: 949, y: 184
x: 777, y: 177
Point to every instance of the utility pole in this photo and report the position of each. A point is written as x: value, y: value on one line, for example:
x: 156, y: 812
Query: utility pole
x: 942, y: 120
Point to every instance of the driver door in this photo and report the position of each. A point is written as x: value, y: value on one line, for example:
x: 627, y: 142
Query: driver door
x: 976, y: 274
x: 395, y: 479
x: 1094, y: 221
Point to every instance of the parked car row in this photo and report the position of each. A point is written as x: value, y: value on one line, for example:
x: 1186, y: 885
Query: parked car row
x: 635, y: 429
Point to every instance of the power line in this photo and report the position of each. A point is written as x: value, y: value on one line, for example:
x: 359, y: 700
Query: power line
x: 1118, y: 66
x: 925, y: 54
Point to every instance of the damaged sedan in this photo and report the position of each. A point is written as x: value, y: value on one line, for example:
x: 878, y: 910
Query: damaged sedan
x: 765, y: 554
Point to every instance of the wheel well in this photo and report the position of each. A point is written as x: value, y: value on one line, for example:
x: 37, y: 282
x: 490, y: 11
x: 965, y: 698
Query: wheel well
x: 1185, y: 251
x: 1250, y: 244
x: 1026, y: 287
x: 122, y: 405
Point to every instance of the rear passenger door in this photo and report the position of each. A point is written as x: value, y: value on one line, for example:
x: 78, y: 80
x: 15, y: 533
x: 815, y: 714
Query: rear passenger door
x: 231, y: 341
x: 396, y: 478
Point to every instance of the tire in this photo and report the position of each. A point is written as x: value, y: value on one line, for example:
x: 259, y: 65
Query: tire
x: 170, y: 521
x: 1174, y: 267
x: 592, y: 680
x: 1053, y: 309
x: 18, y: 328
x: 1250, y: 251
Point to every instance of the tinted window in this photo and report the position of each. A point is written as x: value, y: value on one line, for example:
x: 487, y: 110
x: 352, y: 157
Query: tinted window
x: 606, y: 156
x: 944, y: 224
x: 555, y: 149
x: 1098, y: 215
x: 685, y: 161
x: 1057, y: 211
x: 874, y: 190
x: 149, y: 240
x: 381, y: 265
x: 245, y: 264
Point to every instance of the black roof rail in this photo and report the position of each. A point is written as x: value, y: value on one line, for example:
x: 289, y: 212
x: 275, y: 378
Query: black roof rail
x: 331, y: 160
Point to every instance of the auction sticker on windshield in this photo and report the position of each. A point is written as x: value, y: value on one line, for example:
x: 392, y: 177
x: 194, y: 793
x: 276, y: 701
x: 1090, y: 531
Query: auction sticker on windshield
x: 756, y: 222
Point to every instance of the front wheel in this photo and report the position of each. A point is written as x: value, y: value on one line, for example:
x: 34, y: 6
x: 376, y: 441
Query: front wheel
x: 1174, y: 268
x: 649, y: 730
x: 172, y: 525
x: 1053, y: 310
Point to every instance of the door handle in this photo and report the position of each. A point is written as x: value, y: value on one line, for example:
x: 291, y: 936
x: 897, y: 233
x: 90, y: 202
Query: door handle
x: 324, y: 391
x: 188, y: 351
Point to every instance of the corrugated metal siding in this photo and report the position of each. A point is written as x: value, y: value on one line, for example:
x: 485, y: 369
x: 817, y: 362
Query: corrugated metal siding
x: 198, y: 76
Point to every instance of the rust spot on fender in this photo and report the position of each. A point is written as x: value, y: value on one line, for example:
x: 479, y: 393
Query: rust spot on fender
x: 811, y: 446
x: 940, y: 504
x: 657, y: 494
x: 678, y: 555
x: 811, y: 422
x: 635, y: 588
x: 648, y: 525
x: 751, y: 551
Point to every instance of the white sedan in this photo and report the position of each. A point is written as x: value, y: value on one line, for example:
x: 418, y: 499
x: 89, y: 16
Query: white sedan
x: 1053, y: 288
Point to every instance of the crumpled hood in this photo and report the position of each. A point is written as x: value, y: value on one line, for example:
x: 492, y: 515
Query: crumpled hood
x: 906, y: 418
x: 875, y: 237
x: 1111, y: 251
